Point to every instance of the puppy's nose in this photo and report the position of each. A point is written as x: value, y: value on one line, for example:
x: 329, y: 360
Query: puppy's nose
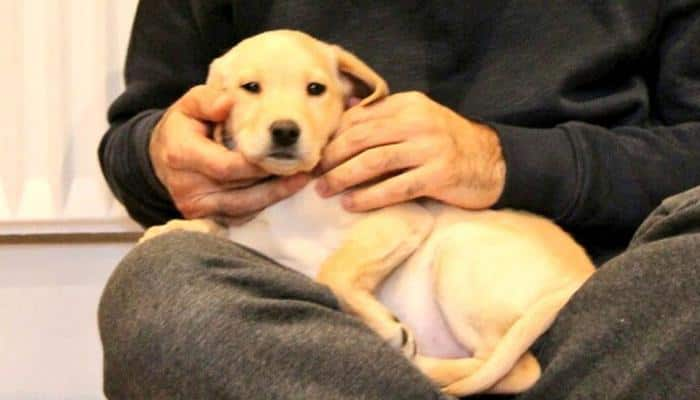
x: 284, y: 132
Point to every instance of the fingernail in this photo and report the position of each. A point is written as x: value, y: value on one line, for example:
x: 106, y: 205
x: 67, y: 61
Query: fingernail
x: 322, y: 187
x: 318, y: 170
x: 347, y: 202
x: 299, y: 181
x: 320, y: 167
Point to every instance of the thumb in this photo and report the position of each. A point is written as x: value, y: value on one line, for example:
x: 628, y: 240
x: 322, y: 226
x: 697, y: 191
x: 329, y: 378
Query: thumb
x: 205, y: 103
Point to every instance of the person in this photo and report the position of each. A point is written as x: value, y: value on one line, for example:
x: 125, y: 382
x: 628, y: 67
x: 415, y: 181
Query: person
x: 585, y: 112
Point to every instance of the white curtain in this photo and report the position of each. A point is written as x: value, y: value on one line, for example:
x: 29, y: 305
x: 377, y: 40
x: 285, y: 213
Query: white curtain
x: 61, y: 66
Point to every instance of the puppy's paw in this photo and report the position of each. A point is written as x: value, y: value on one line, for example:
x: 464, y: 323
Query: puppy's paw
x: 400, y: 337
x: 194, y: 225
x: 153, y: 231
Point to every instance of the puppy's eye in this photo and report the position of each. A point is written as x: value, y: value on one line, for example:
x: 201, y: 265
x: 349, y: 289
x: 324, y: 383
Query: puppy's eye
x: 315, y: 88
x: 252, y: 87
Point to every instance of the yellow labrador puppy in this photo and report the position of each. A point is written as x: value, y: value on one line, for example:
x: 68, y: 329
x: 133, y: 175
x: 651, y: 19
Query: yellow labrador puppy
x: 463, y: 294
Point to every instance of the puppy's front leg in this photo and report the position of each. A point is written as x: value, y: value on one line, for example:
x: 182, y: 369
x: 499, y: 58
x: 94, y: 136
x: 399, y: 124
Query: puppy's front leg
x: 373, y: 247
x: 193, y: 225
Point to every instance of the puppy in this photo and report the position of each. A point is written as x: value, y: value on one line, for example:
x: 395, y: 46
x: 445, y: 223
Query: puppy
x: 463, y: 294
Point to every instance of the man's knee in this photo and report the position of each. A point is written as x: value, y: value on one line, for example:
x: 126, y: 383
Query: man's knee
x: 188, y: 268
x: 155, y: 267
x: 184, y: 296
x: 135, y: 315
x: 677, y: 215
x: 634, y: 322
x: 153, y: 277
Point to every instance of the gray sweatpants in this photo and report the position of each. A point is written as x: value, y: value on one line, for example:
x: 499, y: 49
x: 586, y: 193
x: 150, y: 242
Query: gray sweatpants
x: 190, y: 316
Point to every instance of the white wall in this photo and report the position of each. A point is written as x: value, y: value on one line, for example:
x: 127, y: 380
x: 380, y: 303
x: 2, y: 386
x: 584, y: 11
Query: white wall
x: 60, y: 67
x: 49, y: 291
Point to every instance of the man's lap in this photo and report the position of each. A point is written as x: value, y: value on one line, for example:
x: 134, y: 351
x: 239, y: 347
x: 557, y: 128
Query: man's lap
x: 197, y: 316
x: 629, y: 331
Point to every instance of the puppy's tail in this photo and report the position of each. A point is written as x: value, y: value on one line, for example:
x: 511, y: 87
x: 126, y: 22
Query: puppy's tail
x: 516, y: 342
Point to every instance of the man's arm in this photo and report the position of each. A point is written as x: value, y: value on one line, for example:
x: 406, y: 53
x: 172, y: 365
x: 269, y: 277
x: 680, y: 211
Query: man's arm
x: 587, y: 176
x: 597, y: 181
x: 164, y: 60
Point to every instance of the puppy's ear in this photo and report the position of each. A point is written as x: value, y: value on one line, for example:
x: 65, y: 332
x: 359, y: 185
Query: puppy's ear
x: 362, y: 84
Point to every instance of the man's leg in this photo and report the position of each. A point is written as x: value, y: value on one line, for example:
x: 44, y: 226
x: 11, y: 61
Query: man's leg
x: 632, y: 331
x: 192, y: 316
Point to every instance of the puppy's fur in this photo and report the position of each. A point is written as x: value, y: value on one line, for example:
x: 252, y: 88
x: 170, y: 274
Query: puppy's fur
x: 463, y: 294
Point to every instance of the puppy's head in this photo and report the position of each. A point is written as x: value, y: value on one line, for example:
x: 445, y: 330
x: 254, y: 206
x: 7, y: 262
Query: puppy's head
x: 289, y: 92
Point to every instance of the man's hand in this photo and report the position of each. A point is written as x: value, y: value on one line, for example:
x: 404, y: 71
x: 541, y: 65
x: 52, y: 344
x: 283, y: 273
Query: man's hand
x: 411, y: 146
x: 204, y: 178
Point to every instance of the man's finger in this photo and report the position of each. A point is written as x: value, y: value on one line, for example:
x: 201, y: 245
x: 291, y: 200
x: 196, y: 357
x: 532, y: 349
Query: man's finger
x: 358, y: 138
x: 199, y: 154
x: 214, y: 161
x: 205, y: 103
x: 182, y: 185
x: 244, y: 201
x: 370, y: 164
x: 384, y: 108
x: 403, y: 187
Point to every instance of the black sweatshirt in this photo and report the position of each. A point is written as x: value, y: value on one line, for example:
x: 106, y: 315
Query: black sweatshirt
x: 596, y: 103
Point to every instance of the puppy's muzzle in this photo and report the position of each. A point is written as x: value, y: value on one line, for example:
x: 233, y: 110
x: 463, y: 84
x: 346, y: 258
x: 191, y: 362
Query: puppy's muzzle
x: 285, y: 135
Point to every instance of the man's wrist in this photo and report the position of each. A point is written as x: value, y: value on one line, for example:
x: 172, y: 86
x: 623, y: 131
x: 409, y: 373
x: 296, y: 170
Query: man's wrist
x: 148, y: 168
x: 494, y: 172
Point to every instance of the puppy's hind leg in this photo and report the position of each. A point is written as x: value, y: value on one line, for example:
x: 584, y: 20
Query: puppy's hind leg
x: 446, y: 371
x: 374, y: 246
x: 521, y: 377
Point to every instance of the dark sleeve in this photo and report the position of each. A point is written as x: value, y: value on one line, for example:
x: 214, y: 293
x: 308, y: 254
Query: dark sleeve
x: 588, y: 177
x: 164, y: 60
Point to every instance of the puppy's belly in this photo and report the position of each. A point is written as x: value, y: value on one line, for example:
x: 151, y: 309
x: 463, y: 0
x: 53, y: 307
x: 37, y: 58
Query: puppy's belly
x: 409, y: 294
x: 303, y: 230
